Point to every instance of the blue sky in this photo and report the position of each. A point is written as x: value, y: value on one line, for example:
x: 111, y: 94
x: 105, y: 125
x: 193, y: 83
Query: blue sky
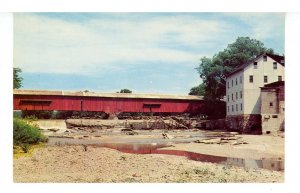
x: 144, y: 52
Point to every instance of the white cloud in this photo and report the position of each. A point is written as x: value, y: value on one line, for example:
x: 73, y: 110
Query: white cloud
x: 53, y: 45
x: 262, y: 25
x: 43, y: 44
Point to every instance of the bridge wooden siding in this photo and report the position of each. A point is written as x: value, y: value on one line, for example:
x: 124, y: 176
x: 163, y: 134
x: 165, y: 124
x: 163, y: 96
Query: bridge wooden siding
x: 108, y: 103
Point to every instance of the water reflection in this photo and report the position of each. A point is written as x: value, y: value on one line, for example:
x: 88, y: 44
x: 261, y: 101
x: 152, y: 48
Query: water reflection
x: 270, y: 164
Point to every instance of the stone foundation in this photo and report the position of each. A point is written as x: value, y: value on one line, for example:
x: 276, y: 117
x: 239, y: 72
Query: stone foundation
x: 250, y: 124
x: 217, y: 124
x: 272, y: 123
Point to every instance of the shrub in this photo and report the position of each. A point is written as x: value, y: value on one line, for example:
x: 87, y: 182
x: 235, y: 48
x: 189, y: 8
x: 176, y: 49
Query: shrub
x: 25, y: 147
x: 39, y: 114
x: 31, y: 118
x: 25, y: 133
x: 17, y: 114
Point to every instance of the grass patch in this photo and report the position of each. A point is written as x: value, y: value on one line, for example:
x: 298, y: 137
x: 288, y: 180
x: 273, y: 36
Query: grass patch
x: 19, y: 152
x: 26, y: 136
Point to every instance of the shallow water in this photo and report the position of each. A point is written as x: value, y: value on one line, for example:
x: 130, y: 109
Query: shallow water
x: 155, y: 148
x: 269, y: 164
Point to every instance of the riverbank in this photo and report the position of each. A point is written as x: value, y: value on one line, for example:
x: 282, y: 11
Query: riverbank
x: 81, y: 154
x: 93, y: 164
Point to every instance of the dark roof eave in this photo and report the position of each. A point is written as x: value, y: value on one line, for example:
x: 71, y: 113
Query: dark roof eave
x: 234, y: 72
x: 238, y: 69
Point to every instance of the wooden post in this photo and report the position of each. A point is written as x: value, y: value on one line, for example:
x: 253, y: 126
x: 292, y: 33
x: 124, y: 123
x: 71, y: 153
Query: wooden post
x: 81, y: 107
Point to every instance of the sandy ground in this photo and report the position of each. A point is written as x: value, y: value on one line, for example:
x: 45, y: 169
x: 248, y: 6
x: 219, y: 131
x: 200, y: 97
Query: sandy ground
x: 71, y: 163
x: 74, y: 164
x: 257, y: 147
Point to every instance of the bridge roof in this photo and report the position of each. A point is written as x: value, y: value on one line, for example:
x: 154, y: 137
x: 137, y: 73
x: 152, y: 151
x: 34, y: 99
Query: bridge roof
x: 105, y: 95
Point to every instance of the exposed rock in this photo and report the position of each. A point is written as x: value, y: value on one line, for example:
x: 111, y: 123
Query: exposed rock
x: 239, y: 142
x: 131, y: 133
x: 135, y: 175
x: 126, y: 129
x: 166, y: 136
x: 222, y: 140
x: 212, y: 141
x: 53, y: 129
x: 209, y: 141
x: 62, y: 136
x: 230, y: 138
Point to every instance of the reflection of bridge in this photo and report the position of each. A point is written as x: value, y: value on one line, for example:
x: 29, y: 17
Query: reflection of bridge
x: 108, y: 103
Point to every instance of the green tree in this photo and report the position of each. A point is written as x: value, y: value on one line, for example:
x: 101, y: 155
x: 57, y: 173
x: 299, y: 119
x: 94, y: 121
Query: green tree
x: 125, y: 91
x: 198, y: 90
x: 213, y: 70
x: 17, y: 78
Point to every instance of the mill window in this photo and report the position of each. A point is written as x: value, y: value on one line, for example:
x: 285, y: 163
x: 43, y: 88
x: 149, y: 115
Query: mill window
x: 274, y: 65
x: 251, y: 78
x: 255, y: 65
x: 265, y: 58
x: 265, y: 79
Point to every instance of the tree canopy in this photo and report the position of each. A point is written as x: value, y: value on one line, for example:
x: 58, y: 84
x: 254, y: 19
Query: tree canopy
x: 213, y: 70
x: 198, y: 90
x: 17, y: 78
x: 125, y: 91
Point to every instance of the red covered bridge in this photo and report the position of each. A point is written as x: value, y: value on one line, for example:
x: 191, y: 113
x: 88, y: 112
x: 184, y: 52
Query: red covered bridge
x: 105, y: 102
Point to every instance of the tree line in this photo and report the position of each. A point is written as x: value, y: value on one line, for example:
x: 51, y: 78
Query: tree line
x: 213, y: 70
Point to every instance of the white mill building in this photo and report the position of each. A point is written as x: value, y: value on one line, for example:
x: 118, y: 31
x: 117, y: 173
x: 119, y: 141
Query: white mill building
x: 243, y: 90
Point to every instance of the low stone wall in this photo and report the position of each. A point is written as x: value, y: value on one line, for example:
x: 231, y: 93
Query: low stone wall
x: 250, y: 124
x: 217, y: 124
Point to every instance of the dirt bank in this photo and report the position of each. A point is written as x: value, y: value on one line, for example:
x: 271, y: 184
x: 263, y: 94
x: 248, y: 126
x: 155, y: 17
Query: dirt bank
x: 74, y: 164
x: 257, y: 147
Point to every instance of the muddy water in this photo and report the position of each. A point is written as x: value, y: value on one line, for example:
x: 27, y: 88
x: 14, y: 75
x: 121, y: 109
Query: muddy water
x: 156, y: 148
x: 269, y: 164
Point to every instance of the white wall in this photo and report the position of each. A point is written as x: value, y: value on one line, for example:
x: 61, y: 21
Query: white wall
x: 233, y: 90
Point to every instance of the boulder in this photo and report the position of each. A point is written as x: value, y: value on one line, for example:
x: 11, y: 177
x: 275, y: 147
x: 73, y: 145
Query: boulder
x: 239, y: 142
x: 230, y: 138
x: 166, y: 136
x: 131, y: 133
x: 53, y: 129
x: 126, y: 129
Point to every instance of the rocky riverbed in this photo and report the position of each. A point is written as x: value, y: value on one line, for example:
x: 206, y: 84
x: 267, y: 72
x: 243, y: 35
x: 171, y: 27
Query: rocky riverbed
x: 79, y: 155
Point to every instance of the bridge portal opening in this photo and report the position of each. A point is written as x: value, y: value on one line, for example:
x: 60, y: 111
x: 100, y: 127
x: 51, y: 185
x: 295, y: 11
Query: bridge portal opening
x: 151, y: 106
